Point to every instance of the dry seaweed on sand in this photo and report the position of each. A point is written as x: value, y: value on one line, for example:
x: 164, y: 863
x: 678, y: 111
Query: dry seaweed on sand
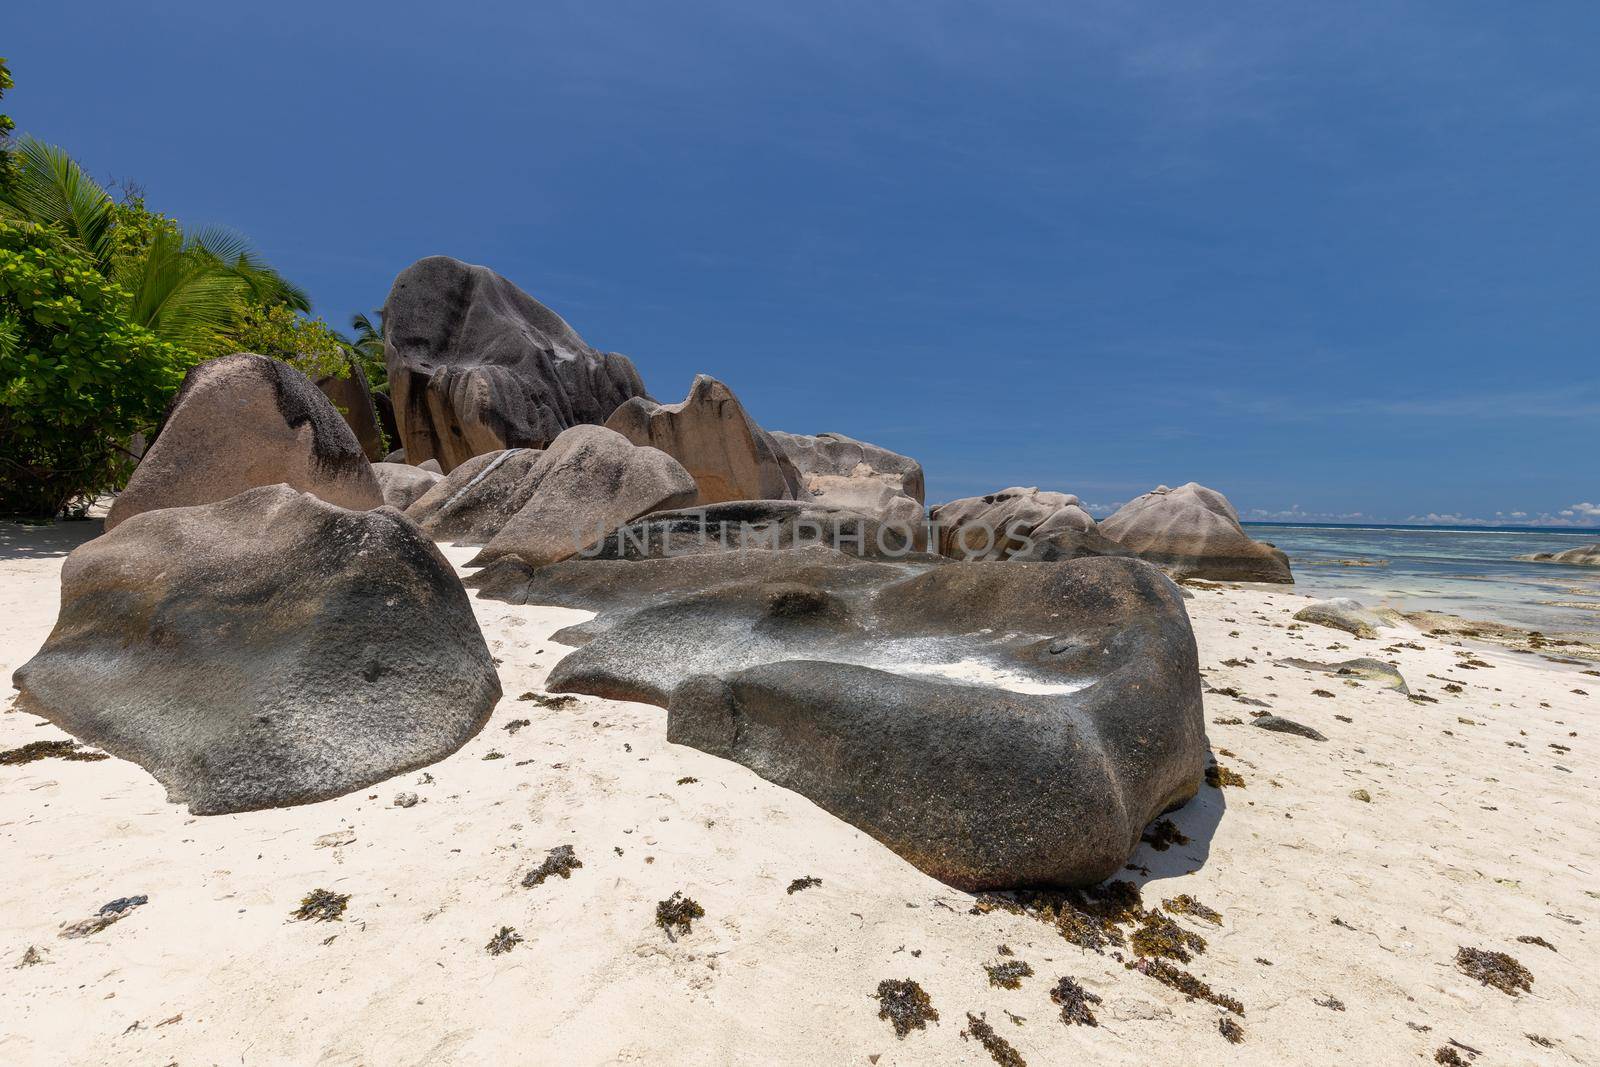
x: 1449, y: 1057
x: 1218, y: 776
x: 1158, y: 935
x: 905, y: 1004
x: 1534, y: 939
x: 1163, y: 834
x: 1074, y: 1001
x: 38, y: 750
x: 688, y: 780
x: 555, y: 703
x: 1332, y: 1003
x: 31, y: 958
x: 1230, y: 1029
x: 516, y: 724
x: 503, y: 942
x: 322, y: 906
x: 1494, y: 969
x: 676, y: 915
x: 1185, y: 983
x: 999, y: 1049
x: 1184, y: 904
x: 560, y: 860
x: 1008, y: 974
x: 1089, y: 918
x: 803, y: 883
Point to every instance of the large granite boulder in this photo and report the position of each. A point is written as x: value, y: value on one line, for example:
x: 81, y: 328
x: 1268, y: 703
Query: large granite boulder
x: 842, y: 472
x: 709, y: 432
x: 403, y: 484
x: 1342, y: 613
x: 473, y: 501
x: 999, y: 725
x: 476, y: 365
x: 1019, y: 523
x: 1193, y: 532
x: 587, y: 483
x: 754, y: 526
x: 245, y: 421
x: 352, y: 397
x: 267, y: 650
x: 1582, y: 556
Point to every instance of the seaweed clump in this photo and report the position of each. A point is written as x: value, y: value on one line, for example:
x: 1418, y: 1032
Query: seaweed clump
x: 1163, y: 834
x: 1159, y: 936
x: 676, y: 915
x: 1089, y: 918
x: 38, y: 750
x: 1495, y: 969
x: 555, y: 703
x: 1184, y: 904
x: 1449, y: 1057
x: 1008, y: 974
x: 803, y: 883
x: 999, y: 1049
x: 1075, y: 1001
x: 322, y: 906
x: 1218, y: 776
x: 503, y: 942
x: 560, y: 860
x: 905, y: 1004
x: 1231, y: 1030
x: 1185, y: 983
x: 1535, y: 939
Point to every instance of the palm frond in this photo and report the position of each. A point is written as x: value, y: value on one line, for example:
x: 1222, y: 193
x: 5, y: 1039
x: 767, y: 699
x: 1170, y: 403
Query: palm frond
x: 49, y: 189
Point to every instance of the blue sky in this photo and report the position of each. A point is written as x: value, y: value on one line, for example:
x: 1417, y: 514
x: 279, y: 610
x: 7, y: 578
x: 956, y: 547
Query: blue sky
x: 1328, y: 258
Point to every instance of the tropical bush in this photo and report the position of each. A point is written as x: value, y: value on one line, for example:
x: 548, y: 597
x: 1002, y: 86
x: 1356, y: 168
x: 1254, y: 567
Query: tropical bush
x: 78, y: 378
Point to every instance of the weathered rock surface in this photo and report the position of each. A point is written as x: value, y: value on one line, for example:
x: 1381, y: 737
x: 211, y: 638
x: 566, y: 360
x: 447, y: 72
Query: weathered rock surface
x: 475, y: 500
x: 352, y: 396
x: 754, y: 525
x: 842, y: 472
x: 998, y: 725
x: 476, y: 365
x: 587, y: 483
x: 402, y: 483
x: 1342, y: 613
x: 245, y: 421
x: 267, y: 650
x: 1019, y: 523
x: 716, y: 441
x: 1583, y: 556
x: 1279, y: 725
x: 1193, y: 532
x: 1364, y: 668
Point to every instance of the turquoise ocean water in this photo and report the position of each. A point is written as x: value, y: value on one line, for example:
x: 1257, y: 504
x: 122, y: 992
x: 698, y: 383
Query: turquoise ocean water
x: 1468, y: 571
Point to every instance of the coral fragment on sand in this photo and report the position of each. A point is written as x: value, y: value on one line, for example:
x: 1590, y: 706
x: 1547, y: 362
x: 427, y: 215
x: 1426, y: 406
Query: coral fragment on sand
x: 322, y: 906
x: 676, y: 915
x: 905, y: 1004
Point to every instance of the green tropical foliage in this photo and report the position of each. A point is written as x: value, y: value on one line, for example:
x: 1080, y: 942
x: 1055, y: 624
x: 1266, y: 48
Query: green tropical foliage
x: 367, y: 345
x: 6, y: 126
x: 78, y: 378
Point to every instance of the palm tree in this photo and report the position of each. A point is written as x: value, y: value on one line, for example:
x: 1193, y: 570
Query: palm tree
x: 368, y: 346
x: 188, y: 287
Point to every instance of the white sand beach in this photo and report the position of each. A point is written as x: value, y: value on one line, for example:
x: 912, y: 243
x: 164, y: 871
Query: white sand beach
x: 1480, y: 829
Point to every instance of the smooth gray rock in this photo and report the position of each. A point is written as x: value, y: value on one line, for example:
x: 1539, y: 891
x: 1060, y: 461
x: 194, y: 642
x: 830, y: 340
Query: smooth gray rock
x: 352, y: 397
x: 402, y: 483
x: 1342, y: 613
x: 716, y: 441
x: 267, y: 650
x: 1365, y: 668
x: 1582, y: 556
x: 1023, y: 523
x: 1193, y: 532
x: 476, y: 365
x: 471, y: 503
x: 842, y: 472
x: 1279, y: 725
x: 997, y: 725
x: 754, y: 525
x: 587, y: 483
x: 244, y: 421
